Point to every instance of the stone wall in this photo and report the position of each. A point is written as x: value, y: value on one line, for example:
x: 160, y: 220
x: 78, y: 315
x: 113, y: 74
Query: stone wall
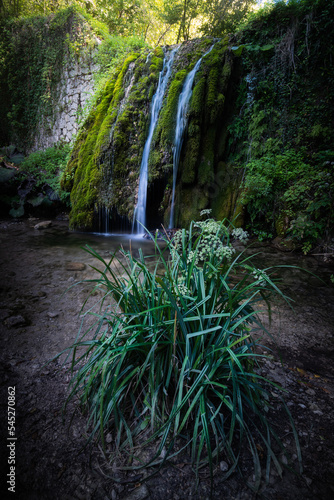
x: 74, y: 90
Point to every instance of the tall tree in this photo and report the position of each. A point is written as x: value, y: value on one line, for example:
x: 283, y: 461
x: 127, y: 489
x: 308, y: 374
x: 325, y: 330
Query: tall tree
x: 123, y: 17
x: 222, y: 16
x: 10, y: 8
x: 190, y: 11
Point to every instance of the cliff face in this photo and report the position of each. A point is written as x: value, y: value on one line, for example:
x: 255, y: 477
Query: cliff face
x: 105, y: 164
x: 258, y: 130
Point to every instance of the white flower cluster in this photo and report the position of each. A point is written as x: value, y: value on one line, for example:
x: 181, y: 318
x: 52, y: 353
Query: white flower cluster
x: 240, y: 234
x: 261, y: 276
x: 190, y: 256
x: 210, y: 245
x: 213, y: 241
x: 225, y: 252
x: 177, y: 239
x: 207, y: 211
x: 210, y: 226
x: 182, y: 288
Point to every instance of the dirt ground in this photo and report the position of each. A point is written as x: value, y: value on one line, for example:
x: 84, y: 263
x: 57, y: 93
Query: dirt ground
x: 38, y: 320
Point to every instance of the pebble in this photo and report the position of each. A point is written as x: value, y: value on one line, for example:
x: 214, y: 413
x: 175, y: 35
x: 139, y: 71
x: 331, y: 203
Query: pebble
x: 75, y: 266
x: 223, y: 466
x: 43, y: 225
x: 53, y: 314
x: 15, y: 321
x: 138, y: 494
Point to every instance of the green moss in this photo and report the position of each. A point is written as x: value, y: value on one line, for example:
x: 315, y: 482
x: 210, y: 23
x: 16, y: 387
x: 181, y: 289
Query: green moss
x: 225, y: 195
x: 198, y: 98
x: 167, y: 121
x: 188, y: 166
x: 227, y: 69
x: 158, y: 52
x: 156, y: 64
x: 154, y: 164
x: 190, y: 201
x: 206, y: 168
x: 211, y: 93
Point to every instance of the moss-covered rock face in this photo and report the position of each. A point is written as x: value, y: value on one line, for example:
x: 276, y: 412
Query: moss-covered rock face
x: 103, y: 169
x: 204, y: 148
x: 105, y: 162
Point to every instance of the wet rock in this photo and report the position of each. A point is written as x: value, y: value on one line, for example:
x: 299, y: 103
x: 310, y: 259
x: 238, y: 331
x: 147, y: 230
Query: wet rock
x: 43, y: 225
x: 223, y: 466
x: 53, y: 314
x: 5, y: 314
x: 138, y: 494
x: 160, y: 234
x: 285, y: 245
x: 75, y: 266
x: 15, y: 321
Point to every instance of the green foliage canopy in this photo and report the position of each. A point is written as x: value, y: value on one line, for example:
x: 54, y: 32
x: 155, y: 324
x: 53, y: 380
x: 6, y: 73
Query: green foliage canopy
x: 153, y: 20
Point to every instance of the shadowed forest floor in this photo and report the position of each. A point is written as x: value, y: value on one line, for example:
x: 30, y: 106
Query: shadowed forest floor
x: 38, y: 320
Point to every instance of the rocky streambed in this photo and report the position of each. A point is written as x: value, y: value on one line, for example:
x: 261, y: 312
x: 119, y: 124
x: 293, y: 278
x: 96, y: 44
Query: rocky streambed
x: 39, y: 318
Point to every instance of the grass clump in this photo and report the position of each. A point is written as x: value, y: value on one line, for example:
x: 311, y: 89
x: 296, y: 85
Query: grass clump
x: 172, y: 364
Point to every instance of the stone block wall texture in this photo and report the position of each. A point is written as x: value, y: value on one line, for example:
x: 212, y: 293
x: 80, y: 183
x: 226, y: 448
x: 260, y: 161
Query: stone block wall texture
x: 75, y: 87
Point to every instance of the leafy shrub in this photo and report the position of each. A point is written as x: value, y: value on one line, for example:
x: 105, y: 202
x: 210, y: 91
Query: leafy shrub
x: 11, y: 154
x: 114, y: 49
x: 173, y: 359
x: 36, y: 179
x: 45, y: 168
x: 292, y: 186
x: 262, y: 235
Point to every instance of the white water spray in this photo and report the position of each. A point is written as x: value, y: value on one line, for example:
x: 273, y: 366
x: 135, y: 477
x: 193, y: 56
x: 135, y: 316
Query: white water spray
x: 181, y: 123
x: 139, y: 218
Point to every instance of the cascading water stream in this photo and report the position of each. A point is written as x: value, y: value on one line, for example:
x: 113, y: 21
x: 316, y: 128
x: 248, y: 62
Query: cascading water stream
x: 139, y: 218
x: 181, y: 123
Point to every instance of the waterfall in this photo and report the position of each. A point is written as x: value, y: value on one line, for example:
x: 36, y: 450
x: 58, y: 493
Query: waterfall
x: 181, y: 123
x: 103, y: 220
x: 139, y: 217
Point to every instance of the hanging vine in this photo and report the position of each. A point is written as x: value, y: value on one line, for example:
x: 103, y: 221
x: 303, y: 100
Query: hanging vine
x: 33, y: 52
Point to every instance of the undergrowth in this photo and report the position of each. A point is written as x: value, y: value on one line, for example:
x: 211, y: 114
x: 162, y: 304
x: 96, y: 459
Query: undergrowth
x: 36, y: 179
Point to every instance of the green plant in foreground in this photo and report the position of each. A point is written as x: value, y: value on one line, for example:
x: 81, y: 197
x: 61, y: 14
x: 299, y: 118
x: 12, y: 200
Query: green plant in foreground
x: 173, y: 361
